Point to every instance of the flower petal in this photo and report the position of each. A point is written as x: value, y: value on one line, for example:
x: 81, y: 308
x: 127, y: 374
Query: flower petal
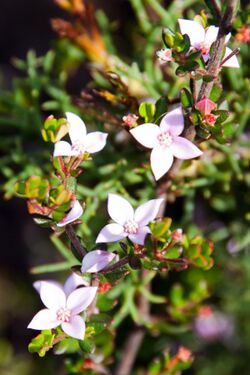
x: 74, y: 214
x: 111, y: 233
x: 77, y: 128
x: 232, y: 62
x: 183, y: 149
x: 75, y: 328
x: 73, y: 282
x: 119, y: 209
x: 173, y: 121
x: 146, y: 134
x: 37, y: 284
x: 63, y: 148
x: 139, y: 237
x: 52, y: 295
x: 95, y: 142
x: 211, y: 35
x: 161, y: 161
x: 96, y: 260
x: 80, y: 299
x: 44, y: 319
x: 193, y: 29
x: 148, y: 211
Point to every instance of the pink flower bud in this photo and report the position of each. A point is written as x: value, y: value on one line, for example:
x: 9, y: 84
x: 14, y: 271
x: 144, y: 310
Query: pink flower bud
x: 205, y: 106
x: 130, y: 119
x: 184, y: 354
x: 210, y: 119
x: 177, y: 235
x: 164, y: 55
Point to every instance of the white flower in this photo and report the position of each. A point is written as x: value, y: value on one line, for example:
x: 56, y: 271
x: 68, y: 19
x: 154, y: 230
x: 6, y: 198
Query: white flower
x: 202, y: 39
x: 165, y: 142
x: 96, y: 260
x: 128, y: 223
x: 164, y: 55
x: 74, y: 214
x: 81, y: 141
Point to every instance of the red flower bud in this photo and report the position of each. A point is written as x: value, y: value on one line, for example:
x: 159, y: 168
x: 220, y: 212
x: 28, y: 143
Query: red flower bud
x: 205, y: 106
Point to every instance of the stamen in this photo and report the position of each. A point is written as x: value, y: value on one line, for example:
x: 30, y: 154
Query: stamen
x: 165, y: 139
x: 131, y: 227
x: 63, y: 315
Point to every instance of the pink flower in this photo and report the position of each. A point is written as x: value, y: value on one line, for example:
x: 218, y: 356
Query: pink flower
x: 81, y: 141
x: 177, y: 235
x: 74, y: 214
x: 164, y: 55
x: 210, y: 119
x: 130, y: 119
x: 96, y: 260
x: 202, y: 39
x: 62, y: 309
x: 128, y: 223
x: 205, y: 106
x: 165, y: 142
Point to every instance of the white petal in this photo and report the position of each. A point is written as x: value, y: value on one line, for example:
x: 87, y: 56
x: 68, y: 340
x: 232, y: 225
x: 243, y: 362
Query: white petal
x: 139, y: 237
x: 80, y: 299
x: 95, y: 142
x: 37, y: 284
x: 173, y: 121
x: 75, y: 328
x: 148, y: 211
x: 211, y: 35
x: 52, y: 295
x: 228, y: 36
x: 77, y: 128
x: 232, y: 62
x: 119, y: 209
x: 63, y: 148
x: 193, y: 29
x: 161, y: 161
x: 96, y: 260
x: 74, y: 214
x: 146, y: 134
x: 44, y: 319
x: 111, y: 233
x: 72, y: 282
x: 184, y: 149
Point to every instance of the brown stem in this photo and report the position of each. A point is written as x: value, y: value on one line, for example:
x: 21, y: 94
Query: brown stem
x: 75, y: 240
x: 122, y: 262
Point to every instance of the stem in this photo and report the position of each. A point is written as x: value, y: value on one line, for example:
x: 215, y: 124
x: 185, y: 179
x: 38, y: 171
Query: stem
x: 234, y: 52
x: 75, y: 240
x: 122, y: 262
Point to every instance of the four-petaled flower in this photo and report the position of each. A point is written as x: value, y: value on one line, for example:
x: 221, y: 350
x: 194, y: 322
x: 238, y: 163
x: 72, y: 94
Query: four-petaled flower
x: 201, y: 39
x: 62, y: 309
x: 81, y: 141
x: 74, y: 214
x: 129, y: 223
x: 165, y: 142
x: 96, y: 260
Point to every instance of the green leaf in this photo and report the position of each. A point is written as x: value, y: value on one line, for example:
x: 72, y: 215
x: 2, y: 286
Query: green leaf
x: 42, y: 343
x: 147, y: 111
x: 186, y: 98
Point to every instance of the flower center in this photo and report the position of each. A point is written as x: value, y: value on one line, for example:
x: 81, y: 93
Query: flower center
x: 203, y: 47
x: 78, y: 147
x: 165, y: 139
x: 63, y: 315
x: 131, y: 227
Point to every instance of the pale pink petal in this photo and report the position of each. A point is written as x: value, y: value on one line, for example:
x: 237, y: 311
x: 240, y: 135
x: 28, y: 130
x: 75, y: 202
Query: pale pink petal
x: 95, y: 142
x: 173, y: 121
x: 211, y: 35
x: 183, y: 149
x: 161, y: 161
x: 52, y: 295
x: 80, y: 299
x: 146, y: 134
x: 77, y: 128
x: 111, y: 233
x: 228, y: 36
x: 37, y: 284
x: 75, y: 328
x: 148, y: 211
x: 73, y: 282
x: 206, y: 57
x: 74, y: 214
x: 119, y: 209
x: 63, y: 148
x: 96, y: 260
x: 139, y: 237
x: 193, y: 29
x: 44, y: 319
x: 232, y: 62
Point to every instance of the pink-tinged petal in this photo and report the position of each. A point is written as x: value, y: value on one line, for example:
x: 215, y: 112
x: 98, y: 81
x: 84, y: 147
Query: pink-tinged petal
x: 73, y: 282
x: 146, y: 134
x: 206, y: 57
x: 111, y: 233
x: 96, y: 260
x: 74, y: 214
x: 173, y: 121
x: 211, y: 35
x: 232, y: 62
x: 75, y: 328
x: 139, y: 237
x: 161, y: 161
x: 63, y: 148
x: 52, y: 295
x: 44, y: 319
x: 37, y: 284
x: 80, y: 299
x: 183, y: 149
x: 77, y: 128
x: 95, y: 142
x: 148, y: 211
x: 119, y: 209
x: 193, y: 29
x: 228, y: 36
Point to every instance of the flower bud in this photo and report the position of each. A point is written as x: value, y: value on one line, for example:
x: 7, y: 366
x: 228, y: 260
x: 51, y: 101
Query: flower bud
x: 205, y: 106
